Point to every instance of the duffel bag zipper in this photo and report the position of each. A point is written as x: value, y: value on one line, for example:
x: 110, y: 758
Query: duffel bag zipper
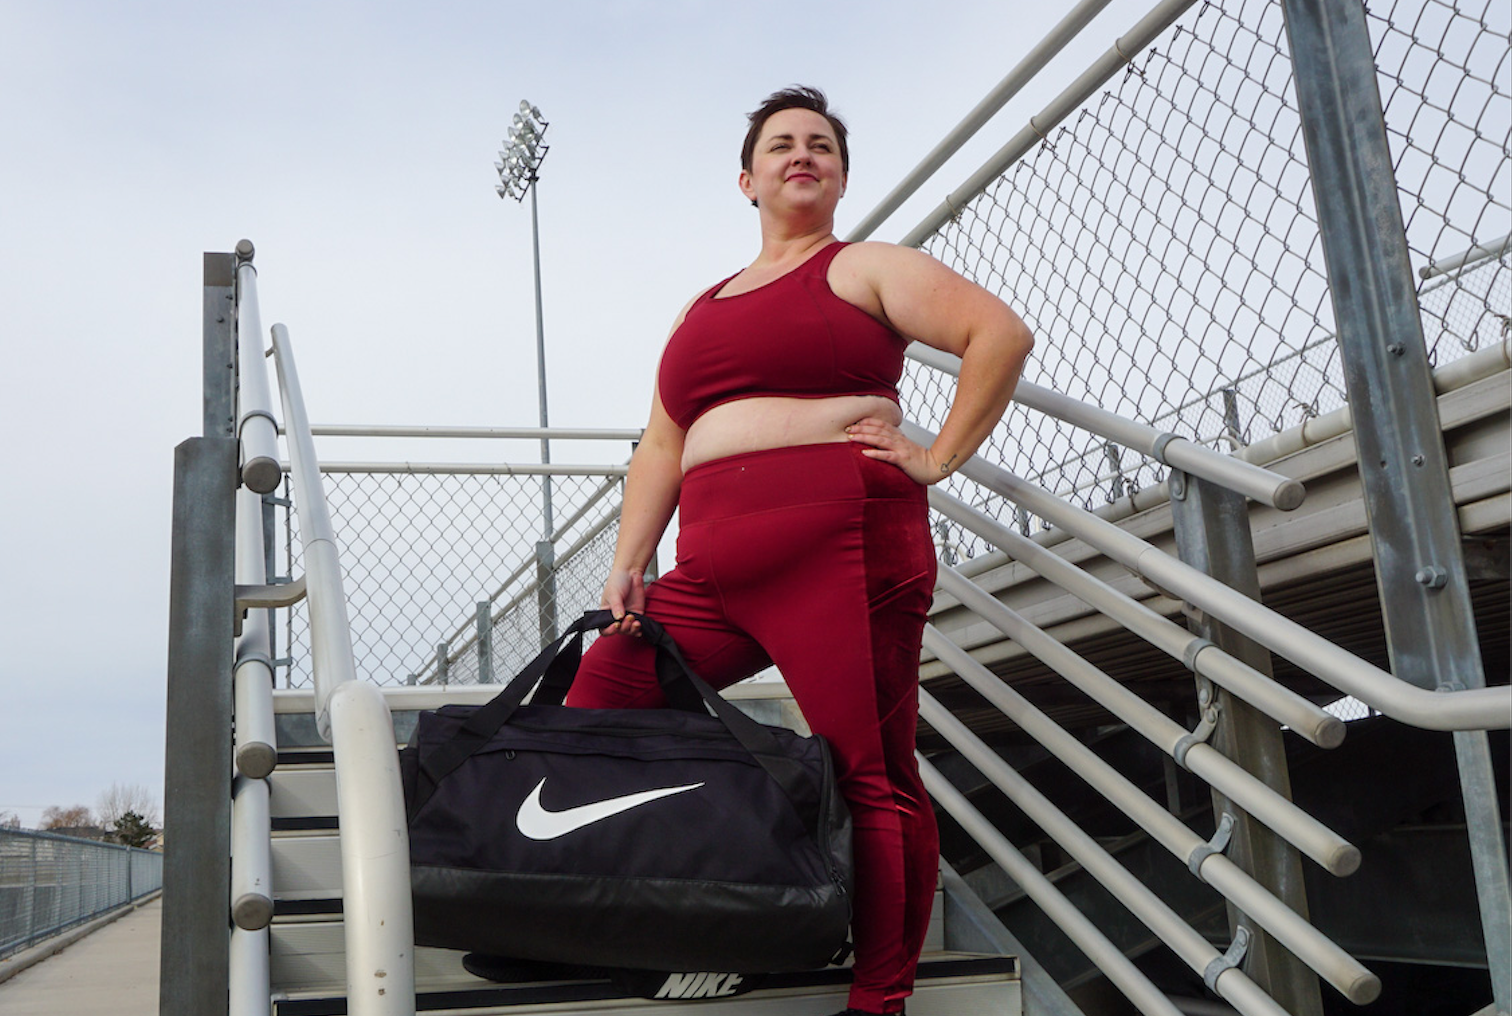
x: 628, y: 732
x: 826, y: 801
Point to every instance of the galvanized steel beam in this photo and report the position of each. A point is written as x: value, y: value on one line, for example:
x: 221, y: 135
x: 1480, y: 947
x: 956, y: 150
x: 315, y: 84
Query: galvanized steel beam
x: 1213, y: 535
x: 1415, y: 536
x: 197, y: 769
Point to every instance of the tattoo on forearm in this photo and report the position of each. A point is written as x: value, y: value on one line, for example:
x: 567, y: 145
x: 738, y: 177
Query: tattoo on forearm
x: 945, y: 466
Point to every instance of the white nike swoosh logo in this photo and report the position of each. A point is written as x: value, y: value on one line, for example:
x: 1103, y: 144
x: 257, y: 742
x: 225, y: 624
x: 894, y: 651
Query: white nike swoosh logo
x: 536, y: 822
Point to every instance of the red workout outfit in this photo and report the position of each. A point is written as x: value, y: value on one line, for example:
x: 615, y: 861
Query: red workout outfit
x: 815, y: 558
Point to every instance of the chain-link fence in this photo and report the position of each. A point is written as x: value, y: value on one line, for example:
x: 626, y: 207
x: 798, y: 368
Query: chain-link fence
x: 51, y: 883
x: 1164, y: 247
x: 431, y: 560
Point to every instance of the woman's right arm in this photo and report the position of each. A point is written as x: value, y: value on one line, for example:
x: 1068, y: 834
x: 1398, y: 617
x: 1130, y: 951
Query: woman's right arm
x: 651, y: 490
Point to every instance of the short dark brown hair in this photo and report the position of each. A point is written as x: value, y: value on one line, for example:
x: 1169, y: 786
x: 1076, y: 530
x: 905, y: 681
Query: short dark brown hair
x: 794, y: 97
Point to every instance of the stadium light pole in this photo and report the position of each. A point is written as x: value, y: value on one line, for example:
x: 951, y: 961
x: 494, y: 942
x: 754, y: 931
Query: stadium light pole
x: 519, y: 168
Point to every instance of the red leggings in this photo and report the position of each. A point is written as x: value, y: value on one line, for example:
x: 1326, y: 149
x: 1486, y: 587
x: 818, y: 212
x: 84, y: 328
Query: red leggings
x: 818, y: 559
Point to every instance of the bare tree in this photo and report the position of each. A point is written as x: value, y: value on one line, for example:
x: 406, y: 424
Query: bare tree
x: 76, y: 817
x: 126, y: 797
x: 9, y: 820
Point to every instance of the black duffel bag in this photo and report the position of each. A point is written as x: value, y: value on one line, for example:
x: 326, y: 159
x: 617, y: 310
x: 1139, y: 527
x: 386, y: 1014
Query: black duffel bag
x: 663, y: 839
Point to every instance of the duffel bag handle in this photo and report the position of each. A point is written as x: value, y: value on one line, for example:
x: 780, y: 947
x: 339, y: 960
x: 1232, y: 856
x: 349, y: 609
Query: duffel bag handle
x: 555, y: 671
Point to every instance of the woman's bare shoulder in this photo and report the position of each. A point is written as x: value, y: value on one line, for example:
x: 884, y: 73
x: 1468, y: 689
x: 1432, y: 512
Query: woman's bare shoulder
x: 863, y: 272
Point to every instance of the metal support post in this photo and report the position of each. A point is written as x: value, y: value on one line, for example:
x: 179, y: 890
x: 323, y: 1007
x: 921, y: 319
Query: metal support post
x: 194, y: 956
x: 220, y: 345
x: 270, y: 569
x: 1213, y: 534
x: 1414, y: 527
x: 547, y: 524
x: 546, y: 600
x: 485, y: 642
x: 196, y: 935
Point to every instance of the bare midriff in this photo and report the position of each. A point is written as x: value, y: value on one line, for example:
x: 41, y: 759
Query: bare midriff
x: 765, y: 422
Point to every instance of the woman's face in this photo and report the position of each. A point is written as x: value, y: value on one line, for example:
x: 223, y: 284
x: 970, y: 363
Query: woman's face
x: 795, y: 164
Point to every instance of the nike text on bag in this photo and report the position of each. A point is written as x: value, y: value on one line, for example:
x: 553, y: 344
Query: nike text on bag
x: 683, y: 840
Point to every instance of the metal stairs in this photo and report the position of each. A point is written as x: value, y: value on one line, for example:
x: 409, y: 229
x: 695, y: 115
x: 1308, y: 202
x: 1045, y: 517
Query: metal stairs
x: 306, y: 941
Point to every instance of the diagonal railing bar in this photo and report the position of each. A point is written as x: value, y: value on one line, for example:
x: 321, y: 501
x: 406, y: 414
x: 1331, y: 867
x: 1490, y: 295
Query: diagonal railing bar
x: 1087, y: 937
x: 1069, y: 27
x: 1332, y: 852
x: 1343, y: 971
x: 1170, y: 449
x: 1199, y: 655
x: 377, y: 912
x: 1123, y: 50
x: 1475, y: 709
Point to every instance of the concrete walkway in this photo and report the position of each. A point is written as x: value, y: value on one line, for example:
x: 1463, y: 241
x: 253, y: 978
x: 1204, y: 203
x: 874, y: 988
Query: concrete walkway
x: 112, y: 971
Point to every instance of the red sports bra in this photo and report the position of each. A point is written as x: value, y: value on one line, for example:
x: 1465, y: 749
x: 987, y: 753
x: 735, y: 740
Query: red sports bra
x: 792, y: 337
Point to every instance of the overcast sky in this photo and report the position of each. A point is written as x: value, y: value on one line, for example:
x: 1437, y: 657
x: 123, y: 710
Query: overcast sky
x: 353, y: 143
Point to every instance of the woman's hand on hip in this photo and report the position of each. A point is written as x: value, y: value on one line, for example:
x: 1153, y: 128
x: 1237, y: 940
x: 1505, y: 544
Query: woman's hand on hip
x: 887, y: 443
x: 624, y: 593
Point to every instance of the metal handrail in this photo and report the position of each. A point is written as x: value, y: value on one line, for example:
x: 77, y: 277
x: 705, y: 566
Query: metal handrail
x: 1054, y: 41
x: 1230, y: 983
x: 1263, y: 485
x: 377, y: 910
x: 1473, y: 709
x: 1319, y: 952
x: 255, y: 424
x: 1198, y: 654
x: 471, y: 468
x: 255, y: 745
x: 1451, y: 377
x: 1085, y: 935
x: 1123, y: 50
x: 500, y: 433
x: 1330, y: 850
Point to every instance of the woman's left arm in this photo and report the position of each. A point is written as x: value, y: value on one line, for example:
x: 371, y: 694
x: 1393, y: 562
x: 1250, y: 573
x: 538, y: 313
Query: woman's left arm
x: 921, y: 299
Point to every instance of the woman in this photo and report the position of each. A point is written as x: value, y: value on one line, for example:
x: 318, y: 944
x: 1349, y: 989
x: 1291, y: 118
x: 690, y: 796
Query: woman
x: 804, y: 537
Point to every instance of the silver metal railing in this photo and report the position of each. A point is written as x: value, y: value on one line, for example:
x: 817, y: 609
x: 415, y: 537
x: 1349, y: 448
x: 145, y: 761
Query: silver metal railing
x: 255, y: 745
x: 1474, y: 709
x: 1155, y: 323
x: 51, y: 883
x: 1168, y: 448
x: 1198, y: 654
x: 256, y: 426
x: 354, y: 717
x: 451, y: 577
x: 1124, y: 49
x: 1211, y: 866
x: 1069, y: 27
x: 1162, y: 240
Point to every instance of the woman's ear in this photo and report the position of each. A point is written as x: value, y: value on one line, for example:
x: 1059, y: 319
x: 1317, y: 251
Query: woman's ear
x: 748, y: 186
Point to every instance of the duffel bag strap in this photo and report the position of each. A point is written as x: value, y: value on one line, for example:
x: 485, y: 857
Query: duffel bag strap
x: 561, y: 672
x: 758, y: 740
x: 554, y: 669
x: 681, y: 685
x: 437, y: 763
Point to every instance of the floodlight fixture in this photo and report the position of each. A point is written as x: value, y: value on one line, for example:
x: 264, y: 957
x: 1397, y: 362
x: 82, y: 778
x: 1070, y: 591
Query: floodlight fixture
x: 519, y: 170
